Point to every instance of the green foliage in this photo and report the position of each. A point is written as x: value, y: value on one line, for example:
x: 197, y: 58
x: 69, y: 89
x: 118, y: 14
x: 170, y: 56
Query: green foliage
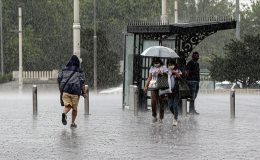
x: 214, y: 44
x: 47, y: 31
x: 107, y: 60
x: 240, y: 62
x: 5, y: 78
x: 250, y: 19
x: 215, y: 8
x: 189, y: 8
x: 47, y: 34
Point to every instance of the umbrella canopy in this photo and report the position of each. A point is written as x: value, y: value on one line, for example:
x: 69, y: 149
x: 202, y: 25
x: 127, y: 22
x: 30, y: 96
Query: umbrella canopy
x: 160, y: 51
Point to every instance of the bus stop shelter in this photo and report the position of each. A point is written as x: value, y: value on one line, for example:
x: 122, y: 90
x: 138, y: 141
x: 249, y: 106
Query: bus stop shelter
x: 181, y: 37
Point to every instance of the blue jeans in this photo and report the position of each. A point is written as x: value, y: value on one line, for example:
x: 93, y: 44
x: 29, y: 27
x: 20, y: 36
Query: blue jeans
x: 173, y: 102
x: 194, y: 88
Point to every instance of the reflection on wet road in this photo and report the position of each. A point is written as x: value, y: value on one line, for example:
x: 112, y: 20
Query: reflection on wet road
x: 112, y: 133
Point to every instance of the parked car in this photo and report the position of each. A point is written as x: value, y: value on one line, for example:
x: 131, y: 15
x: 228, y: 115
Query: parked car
x: 227, y: 85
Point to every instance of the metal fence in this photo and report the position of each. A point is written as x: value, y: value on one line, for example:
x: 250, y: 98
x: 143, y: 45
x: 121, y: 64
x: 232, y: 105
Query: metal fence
x: 195, y: 19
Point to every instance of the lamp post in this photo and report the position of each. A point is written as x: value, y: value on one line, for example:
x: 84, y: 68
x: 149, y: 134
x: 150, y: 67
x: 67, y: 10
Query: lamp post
x: 20, y: 50
x: 76, y: 30
x: 95, y: 49
x: 164, y: 17
x: 238, y: 20
x: 1, y: 38
x: 187, y: 14
x: 175, y: 11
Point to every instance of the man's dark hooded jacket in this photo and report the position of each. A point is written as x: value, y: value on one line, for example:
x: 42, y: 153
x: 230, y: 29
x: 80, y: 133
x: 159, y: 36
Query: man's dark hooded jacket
x: 75, y: 83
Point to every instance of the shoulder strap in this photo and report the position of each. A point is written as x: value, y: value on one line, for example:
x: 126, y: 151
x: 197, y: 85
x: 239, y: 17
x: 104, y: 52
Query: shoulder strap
x: 68, y: 80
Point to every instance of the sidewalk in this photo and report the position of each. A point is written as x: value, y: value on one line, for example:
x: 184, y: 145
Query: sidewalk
x: 112, y: 133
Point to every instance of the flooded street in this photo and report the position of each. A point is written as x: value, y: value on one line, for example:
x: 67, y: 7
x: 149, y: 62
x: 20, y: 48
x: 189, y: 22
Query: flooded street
x: 118, y: 51
x: 112, y: 133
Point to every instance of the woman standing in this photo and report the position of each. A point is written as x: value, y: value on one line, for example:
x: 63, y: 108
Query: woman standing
x: 157, y: 68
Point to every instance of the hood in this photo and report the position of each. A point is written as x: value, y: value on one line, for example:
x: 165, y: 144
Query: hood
x: 74, y: 61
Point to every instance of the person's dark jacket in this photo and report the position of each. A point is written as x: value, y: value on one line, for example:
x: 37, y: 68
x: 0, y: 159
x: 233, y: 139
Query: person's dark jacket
x: 75, y: 83
x: 193, y: 69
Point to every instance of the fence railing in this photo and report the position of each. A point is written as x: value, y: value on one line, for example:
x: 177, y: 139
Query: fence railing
x: 227, y: 91
x: 207, y: 19
x: 37, y: 75
x: 195, y: 19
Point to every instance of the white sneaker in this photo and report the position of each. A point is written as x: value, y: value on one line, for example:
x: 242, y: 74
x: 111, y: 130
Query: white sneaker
x: 174, y: 122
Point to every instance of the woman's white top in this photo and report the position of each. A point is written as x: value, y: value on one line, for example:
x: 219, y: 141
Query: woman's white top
x: 154, y: 71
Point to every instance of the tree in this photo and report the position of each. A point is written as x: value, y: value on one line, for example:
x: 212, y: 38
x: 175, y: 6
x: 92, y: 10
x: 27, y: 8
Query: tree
x: 250, y: 19
x: 214, y: 44
x: 107, y: 64
x: 112, y: 19
x: 47, y: 30
x: 47, y: 34
x: 241, y: 62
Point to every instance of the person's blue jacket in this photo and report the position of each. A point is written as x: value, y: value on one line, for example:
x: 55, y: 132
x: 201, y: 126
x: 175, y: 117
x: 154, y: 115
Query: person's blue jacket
x: 75, y: 83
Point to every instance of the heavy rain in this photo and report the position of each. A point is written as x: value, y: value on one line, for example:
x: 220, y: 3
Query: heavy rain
x: 118, y: 114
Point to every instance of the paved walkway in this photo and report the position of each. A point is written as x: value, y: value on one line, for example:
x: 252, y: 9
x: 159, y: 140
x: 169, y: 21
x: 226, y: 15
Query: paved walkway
x: 111, y: 133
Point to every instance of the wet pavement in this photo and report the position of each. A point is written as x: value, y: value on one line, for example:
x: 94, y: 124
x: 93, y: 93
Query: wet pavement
x: 112, y: 133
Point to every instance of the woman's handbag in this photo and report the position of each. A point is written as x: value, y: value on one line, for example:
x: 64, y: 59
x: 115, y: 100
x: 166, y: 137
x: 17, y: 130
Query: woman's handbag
x: 152, y: 85
x: 162, y: 81
x: 167, y: 90
x: 184, y: 89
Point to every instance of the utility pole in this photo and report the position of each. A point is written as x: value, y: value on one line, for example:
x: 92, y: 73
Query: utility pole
x: 187, y: 14
x: 175, y: 11
x: 1, y: 38
x: 95, y: 49
x: 76, y: 30
x: 20, y: 50
x: 164, y: 17
x: 238, y: 20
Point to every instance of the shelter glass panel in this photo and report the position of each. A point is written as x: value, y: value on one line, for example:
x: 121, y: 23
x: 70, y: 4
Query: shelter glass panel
x: 129, y: 59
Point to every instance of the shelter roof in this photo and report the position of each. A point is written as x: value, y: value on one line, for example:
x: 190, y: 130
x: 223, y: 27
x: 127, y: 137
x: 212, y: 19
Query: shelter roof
x: 179, y: 28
